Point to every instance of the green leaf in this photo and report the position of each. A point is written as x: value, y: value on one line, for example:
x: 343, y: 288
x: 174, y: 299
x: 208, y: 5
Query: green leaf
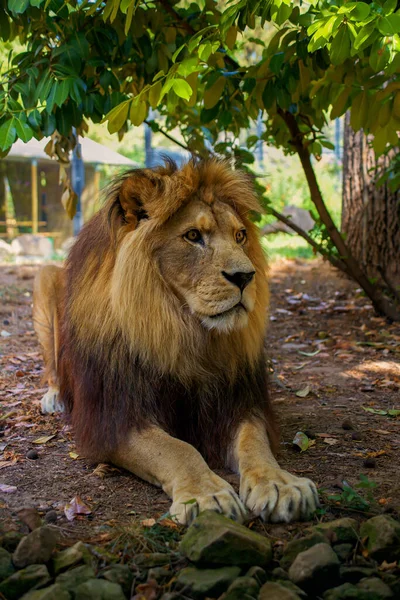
x: 303, y: 392
x: 380, y: 55
x: 24, y: 132
x: 340, y: 47
x: 154, y: 94
x: 394, y: 412
x: 177, y: 52
x: 359, y: 111
x: 182, y: 89
x: 18, y: 6
x: 117, y: 116
x: 188, y: 66
x: 390, y: 24
x: 137, y: 113
x: 340, y: 105
x: 7, y: 133
x: 360, y: 11
x: 365, y: 36
x: 302, y: 441
x: 389, y: 6
x: 277, y: 62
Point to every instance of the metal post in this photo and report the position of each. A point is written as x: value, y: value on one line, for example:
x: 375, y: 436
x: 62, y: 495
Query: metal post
x: 260, y: 143
x: 35, y: 199
x: 78, y: 184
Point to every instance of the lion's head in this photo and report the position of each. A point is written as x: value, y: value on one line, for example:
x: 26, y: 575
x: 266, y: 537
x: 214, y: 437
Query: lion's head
x: 184, y: 268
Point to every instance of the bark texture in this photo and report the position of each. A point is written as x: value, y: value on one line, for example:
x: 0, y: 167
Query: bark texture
x: 371, y: 214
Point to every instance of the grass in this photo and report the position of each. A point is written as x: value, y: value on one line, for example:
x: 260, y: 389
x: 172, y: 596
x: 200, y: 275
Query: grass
x: 283, y: 245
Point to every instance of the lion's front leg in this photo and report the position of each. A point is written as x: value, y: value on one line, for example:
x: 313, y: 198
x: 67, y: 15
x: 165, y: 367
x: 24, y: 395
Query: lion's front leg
x: 182, y: 473
x: 267, y: 490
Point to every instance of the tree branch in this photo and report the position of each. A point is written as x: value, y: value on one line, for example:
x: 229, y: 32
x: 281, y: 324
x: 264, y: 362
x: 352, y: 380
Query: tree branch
x: 336, y: 262
x: 171, y: 138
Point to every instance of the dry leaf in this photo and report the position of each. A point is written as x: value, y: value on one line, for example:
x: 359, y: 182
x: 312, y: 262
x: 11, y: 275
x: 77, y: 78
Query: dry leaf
x: 148, y: 522
x: 303, y: 392
x: 147, y: 591
x: 44, y: 439
x: 330, y: 441
x: 7, y: 489
x: 169, y: 523
x: 73, y: 455
x: 76, y: 507
x: 7, y: 463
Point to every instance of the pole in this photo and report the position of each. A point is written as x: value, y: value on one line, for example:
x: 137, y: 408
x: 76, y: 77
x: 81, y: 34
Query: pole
x: 78, y: 183
x: 35, y: 199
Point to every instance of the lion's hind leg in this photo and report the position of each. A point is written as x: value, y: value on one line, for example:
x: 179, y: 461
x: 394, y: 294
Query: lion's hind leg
x: 46, y: 315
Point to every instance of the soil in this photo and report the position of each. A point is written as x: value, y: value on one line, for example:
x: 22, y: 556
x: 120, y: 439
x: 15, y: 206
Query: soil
x: 333, y: 362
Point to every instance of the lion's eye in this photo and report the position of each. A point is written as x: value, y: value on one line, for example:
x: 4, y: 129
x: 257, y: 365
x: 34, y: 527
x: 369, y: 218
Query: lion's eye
x: 241, y: 236
x: 193, y: 235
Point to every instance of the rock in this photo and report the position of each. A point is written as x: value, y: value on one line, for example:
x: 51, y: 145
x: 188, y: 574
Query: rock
x: 315, y: 569
x: 154, y: 559
x: 32, y: 454
x: 258, y: 574
x: 160, y: 574
x: 11, y: 539
x: 347, y: 425
x: 74, y: 577
x: 375, y: 587
x: 292, y: 587
x: 243, y: 588
x: 356, y: 436
x: 207, y: 582
x: 71, y: 557
x: 296, y: 546
x: 121, y: 574
x: 54, y: 592
x: 383, y: 538
x: 35, y: 548
x: 279, y: 573
x: 370, y: 463
x: 99, y: 589
x: 347, y: 591
x: 215, y: 540
x: 21, y: 582
x: 343, y: 551
x: 51, y: 516
x: 275, y: 591
x: 29, y: 244
x: 5, y: 250
x: 6, y: 566
x: 354, y: 574
x: 340, y: 531
x: 30, y: 517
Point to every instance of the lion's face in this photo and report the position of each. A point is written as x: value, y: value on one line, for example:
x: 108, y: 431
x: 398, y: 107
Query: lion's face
x: 203, y: 258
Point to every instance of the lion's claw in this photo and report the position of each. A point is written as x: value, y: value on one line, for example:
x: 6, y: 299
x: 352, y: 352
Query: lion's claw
x: 278, y: 496
x: 215, y: 495
x: 51, y: 402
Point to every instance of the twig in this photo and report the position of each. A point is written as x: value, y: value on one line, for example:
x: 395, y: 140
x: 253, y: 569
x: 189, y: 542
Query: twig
x: 170, y: 137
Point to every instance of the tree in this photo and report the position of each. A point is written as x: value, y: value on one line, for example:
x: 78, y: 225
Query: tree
x: 371, y: 212
x: 113, y: 60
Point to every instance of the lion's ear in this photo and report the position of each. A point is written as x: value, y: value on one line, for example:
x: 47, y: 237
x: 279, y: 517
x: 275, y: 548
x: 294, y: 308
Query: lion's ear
x: 134, y: 194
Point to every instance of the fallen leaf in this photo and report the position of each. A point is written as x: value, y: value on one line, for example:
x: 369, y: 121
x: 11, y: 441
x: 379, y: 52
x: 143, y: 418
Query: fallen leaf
x: 147, y: 591
x: 393, y: 412
x: 73, y: 455
x: 375, y: 411
x: 76, y: 507
x: 7, y: 463
x: 168, y: 523
x: 385, y: 566
x: 44, y: 439
x: 303, y: 392
x: 7, y: 489
x: 302, y: 441
x: 330, y: 441
x: 148, y: 522
x: 382, y: 431
x: 309, y: 353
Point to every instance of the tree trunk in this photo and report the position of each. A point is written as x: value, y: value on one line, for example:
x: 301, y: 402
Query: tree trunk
x: 370, y: 213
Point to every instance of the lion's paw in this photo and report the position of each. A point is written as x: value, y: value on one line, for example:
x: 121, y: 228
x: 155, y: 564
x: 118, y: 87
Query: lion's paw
x: 216, y: 495
x: 277, y: 496
x: 51, y: 402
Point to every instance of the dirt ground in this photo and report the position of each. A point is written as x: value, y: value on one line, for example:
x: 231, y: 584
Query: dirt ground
x: 332, y: 359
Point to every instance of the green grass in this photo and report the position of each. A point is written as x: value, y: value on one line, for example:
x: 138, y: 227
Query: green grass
x: 283, y: 245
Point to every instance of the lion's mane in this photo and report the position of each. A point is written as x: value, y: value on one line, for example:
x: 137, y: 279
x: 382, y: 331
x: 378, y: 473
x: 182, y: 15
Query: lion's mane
x: 129, y: 355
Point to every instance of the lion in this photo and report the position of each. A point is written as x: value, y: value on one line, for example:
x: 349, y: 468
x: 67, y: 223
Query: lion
x: 153, y: 339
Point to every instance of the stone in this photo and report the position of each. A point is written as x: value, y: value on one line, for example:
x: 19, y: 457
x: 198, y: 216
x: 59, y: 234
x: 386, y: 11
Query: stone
x: 292, y: 587
x: 32, y: 454
x: 294, y: 547
x: 160, y: 574
x: 5, y: 250
x: 6, y: 566
x: 71, y: 557
x: 243, y: 588
x: 279, y: 573
x: 275, y: 591
x: 98, y: 589
x: 51, y: 516
x: 340, y: 531
x: 382, y: 535
x: 376, y: 587
x: 207, y: 582
x: 153, y: 559
x: 54, y: 592
x: 30, y: 244
x: 21, y: 582
x: 315, y: 569
x: 258, y: 574
x: 121, y: 574
x: 11, y: 539
x: 36, y: 548
x: 354, y: 574
x: 212, y: 539
x: 74, y: 577
x: 343, y: 551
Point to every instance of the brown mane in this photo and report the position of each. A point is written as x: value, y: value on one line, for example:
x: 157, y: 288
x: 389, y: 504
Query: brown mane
x: 129, y: 355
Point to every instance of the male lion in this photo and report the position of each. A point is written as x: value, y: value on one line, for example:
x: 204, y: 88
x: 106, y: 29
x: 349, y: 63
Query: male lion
x: 153, y: 339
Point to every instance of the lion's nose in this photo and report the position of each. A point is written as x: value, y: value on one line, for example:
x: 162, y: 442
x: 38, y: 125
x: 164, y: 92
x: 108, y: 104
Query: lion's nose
x: 239, y: 278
